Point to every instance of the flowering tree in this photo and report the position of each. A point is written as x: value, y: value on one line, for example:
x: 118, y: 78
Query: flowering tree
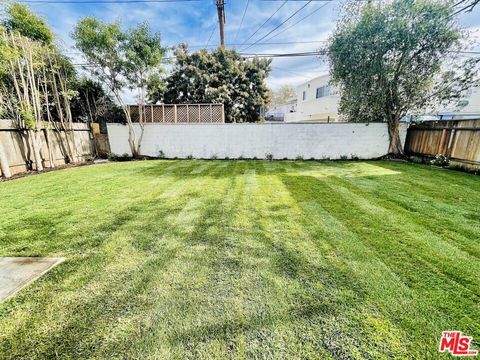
x: 221, y: 76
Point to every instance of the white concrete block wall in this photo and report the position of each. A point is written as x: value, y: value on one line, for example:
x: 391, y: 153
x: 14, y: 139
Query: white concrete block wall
x: 205, y: 141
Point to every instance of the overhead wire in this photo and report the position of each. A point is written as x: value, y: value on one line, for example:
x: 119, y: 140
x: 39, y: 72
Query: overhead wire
x: 278, y: 26
x: 265, y: 22
x: 300, y: 20
x: 241, y: 22
x: 100, y: 1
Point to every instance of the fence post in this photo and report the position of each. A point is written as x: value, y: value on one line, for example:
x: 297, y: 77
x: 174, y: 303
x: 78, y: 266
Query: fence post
x: 175, y: 113
x: 198, y: 112
x: 188, y: 116
x: 5, y: 167
x: 223, y: 113
x: 163, y: 113
x: 151, y: 111
x: 211, y: 114
x: 450, y: 143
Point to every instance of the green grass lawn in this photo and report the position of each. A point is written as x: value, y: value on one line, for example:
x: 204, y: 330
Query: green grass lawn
x: 243, y: 259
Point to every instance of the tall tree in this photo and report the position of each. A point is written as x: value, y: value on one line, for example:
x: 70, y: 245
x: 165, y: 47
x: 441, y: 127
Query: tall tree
x: 120, y: 60
x: 93, y: 104
x: 19, y: 18
x: 393, y: 58
x: 35, y: 81
x: 221, y: 76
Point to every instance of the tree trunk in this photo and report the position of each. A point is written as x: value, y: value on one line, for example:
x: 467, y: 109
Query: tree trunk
x: 395, y: 148
x: 36, y: 150
x: 4, y: 162
x: 51, y: 156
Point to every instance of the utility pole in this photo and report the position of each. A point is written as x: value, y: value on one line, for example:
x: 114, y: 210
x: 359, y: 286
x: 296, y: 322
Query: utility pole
x: 221, y: 20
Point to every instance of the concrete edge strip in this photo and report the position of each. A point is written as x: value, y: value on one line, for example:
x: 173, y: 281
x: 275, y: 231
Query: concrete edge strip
x: 28, y: 282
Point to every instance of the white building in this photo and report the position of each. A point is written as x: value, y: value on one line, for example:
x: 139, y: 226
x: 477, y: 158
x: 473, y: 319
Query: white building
x: 279, y: 112
x: 468, y: 107
x: 317, y: 101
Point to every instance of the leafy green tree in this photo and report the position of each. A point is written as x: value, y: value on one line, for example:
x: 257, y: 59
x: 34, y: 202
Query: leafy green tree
x: 221, y: 76
x: 21, y: 19
x: 393, y: 58
x: 93, y: 104
x: 121, y: 60
x: 282, y: 95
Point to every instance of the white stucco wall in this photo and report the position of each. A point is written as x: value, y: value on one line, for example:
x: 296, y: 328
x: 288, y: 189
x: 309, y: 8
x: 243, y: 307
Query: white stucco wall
x: 205, y: 141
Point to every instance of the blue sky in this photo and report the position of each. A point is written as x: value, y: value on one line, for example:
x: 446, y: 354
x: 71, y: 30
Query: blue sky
x: 193, y: 22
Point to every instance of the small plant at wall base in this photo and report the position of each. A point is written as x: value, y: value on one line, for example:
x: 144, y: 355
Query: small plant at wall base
x: 388, y: 59
x: 440, y: 160
x: 115, y: 157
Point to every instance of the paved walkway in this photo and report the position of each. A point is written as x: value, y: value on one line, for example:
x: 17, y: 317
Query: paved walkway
x: 18, y: 272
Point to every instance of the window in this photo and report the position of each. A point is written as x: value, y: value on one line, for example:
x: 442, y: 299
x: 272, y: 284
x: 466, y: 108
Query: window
x: 304, y: 95
x: 323, y: 91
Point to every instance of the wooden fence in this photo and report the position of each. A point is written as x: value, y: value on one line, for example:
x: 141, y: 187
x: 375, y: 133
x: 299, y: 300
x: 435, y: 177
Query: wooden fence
x: 457, y: 139
x: 19, y: 155
x: 180, y: 113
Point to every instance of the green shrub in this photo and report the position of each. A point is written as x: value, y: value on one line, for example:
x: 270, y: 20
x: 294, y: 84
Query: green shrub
x: 417, y: 159
x: 269, y: 157
x: 115, y: 157
x: 161, y: 154
x: 440, y: 160
x: 89, y: 158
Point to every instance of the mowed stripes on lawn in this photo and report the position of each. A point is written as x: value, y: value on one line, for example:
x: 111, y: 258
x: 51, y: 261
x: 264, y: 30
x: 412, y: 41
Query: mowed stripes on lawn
x: 215, y: 259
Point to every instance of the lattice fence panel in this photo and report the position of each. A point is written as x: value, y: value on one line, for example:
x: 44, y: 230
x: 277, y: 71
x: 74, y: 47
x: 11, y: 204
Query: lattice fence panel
x: 205, y: 113
x: 217, y: 114
x: 134, y: 113
x: 148, y: 113
x: 193, y: 113
x: 182, y: 114
x: 157, y: 114
x: 169, y: 113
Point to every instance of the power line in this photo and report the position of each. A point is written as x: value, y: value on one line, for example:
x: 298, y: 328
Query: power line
x: 324, y: 52
x: 266, y: 21
x: 303, y: 18
x: 211, y: 34
x: 76, y: 52
x: 100, y: 1
x: 283, y: 22
x: 241, y: 22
